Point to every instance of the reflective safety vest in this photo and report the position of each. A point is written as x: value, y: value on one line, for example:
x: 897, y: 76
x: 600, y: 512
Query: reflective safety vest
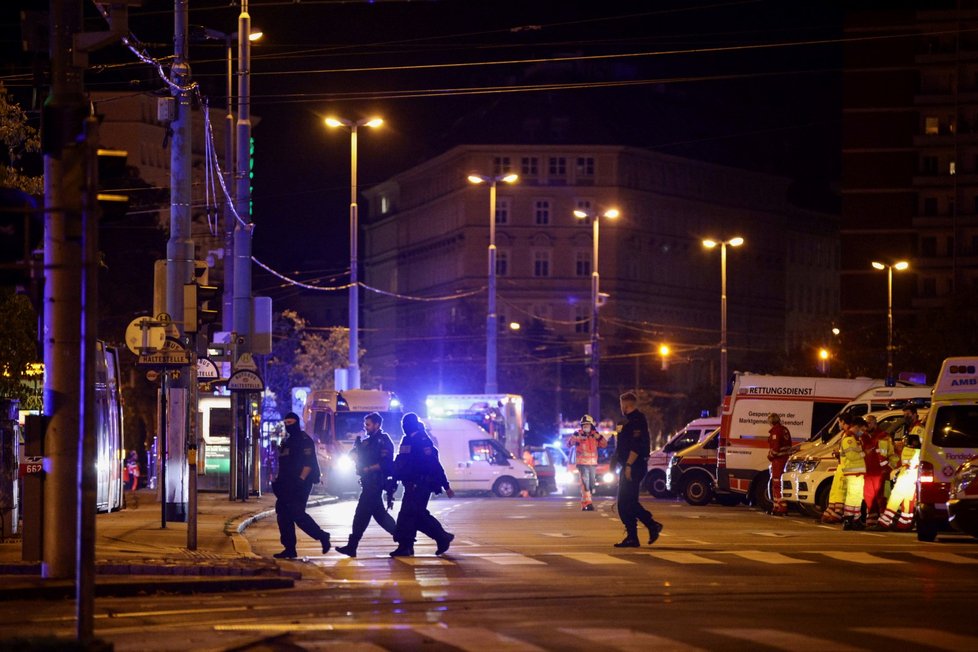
x: 586, y: 448
x: 851, y: 455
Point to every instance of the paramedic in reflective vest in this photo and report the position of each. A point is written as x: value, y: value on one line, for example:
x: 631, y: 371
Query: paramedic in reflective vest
x: 374, y: 458
x: 418, y: 469
x: 903, y: 496
x: 779, y: 447
x: 881, y: 457
x: 837, y: 490
x: 586, y: 443
x: 298, y: 470
x: 632, y: 454
x: 852, y: 459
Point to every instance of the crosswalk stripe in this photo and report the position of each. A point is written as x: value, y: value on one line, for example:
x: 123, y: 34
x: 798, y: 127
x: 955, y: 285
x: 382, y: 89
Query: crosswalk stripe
x: 946, y: 557
x: 629, y: 640
x: 770, y: 557
x: 594, y: 558
x: 508, y: 559
x: 425, y: 561
x: 683, y: 558
x: 785, y: 640
x: 858, y: 557
x: 476, y: 639
x: 929, y: 637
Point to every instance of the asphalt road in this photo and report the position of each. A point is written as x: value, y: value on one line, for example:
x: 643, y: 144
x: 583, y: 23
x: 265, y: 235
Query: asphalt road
x: 532, y: 574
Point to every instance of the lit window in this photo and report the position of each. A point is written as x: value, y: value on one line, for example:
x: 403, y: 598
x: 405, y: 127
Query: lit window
x: 541, y: 212
x: 932, y: 125
x: 385, y: 204
x: 541, y: 263
x: 502, y: 210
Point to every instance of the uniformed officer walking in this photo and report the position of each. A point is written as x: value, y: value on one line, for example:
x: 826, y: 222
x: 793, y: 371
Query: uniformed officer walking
x: 298, y: 470
x: 632, y: 454
x: 374, y: 457
x: 418, y: 469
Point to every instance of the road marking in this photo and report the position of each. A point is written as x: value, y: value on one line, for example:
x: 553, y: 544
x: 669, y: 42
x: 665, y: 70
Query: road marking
x: 859, y: 557
x: 476, y: 639
x: 785, y: 640
x: 770, y: 557
x: 425, y: 561
x: 629, y: 640
x: 558, y: 535
x: 507, y: 559
x: 683, y: 558
x: 594, y: 558
x: 928, y: 637
x: 946, y: 557
x: 776, y: 535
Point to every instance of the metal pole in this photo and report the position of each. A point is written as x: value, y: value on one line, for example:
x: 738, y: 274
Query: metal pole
x: 163, y: 448
x: 492, y: 386
x: 242, y: 233
x: 353, y: 373
x: 594, y: 399
x: 889, y: 324
x: 227, y: 298
x: 723, y: 323
x: 192, y: 450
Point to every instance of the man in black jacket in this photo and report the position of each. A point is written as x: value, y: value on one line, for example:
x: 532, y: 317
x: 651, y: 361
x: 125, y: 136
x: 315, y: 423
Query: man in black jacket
x: 632, y: 454
x: 298, y: 470
x: 374, y: 457
x: 418, y: 469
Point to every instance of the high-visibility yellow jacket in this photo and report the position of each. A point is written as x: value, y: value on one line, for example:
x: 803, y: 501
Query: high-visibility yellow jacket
x: 851, y: 455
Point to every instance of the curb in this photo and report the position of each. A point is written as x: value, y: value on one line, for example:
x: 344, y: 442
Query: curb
x: 234, y: 527
x: 145, y: 584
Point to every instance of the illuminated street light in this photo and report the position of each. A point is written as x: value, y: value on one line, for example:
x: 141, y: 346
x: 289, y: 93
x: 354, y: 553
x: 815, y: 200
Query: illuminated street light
x: 492, y: 386
x: 353, y: 366
x: 594, y: 397
x: 710, y: 244
x: 664, y: 354
x: 899, y: 266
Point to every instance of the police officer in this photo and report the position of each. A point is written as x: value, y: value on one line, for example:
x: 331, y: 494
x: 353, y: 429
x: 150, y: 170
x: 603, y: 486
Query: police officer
x: 298, y: 470
x: 418, y: 469
x: 374, y: 458
x: 632, y: 454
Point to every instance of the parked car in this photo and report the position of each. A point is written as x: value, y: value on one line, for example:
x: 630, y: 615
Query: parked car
x: 962, y: 506
x: 694, y: 432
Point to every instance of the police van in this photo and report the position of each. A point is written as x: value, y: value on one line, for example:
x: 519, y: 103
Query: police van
x: 950, y: 438
x: 805, y: 405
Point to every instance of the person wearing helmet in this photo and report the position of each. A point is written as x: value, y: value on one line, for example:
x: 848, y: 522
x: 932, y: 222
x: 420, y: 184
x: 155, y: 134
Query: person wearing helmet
x: 586, y: 442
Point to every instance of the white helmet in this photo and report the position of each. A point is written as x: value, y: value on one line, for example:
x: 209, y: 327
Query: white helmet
x: 588, y: 419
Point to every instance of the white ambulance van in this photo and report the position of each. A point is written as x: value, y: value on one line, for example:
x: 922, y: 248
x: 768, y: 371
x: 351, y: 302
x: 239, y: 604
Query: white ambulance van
x: 950, y: 438
x: 475, y: 461
x: 694, y: 432
x: 805, y: 405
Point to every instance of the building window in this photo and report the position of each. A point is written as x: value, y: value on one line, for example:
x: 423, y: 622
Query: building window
x: 385, y: 204
x: 582, y: 263
x: 582, y: 319
x: 928, y: 165
x: 585, y: 166
x: 932, y: 125
x: 541, y: 212
x: 502, y: 210
x: 501, y: 165
x: 502, y: 262
x: 529, y: 166
x: 541, y: 263
x: 557, y: 166
x: 951, y: 168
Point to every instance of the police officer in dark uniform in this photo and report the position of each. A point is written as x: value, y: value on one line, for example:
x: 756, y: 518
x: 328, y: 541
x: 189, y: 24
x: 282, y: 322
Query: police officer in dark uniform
x: 418, y: 469
x: 298, y: 470
x: 374, y: 457
x: 632, y: 454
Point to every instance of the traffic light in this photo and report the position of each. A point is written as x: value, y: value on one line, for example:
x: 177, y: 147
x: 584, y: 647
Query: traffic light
x: 201, y: 305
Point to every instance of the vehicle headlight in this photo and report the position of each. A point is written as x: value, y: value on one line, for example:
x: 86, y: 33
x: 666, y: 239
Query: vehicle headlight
x: 792, y: 466
x: 563, y: 476
x: 808, y: 466
x: 608, y: 477
x: 344, y: 463
x: 963, y: 478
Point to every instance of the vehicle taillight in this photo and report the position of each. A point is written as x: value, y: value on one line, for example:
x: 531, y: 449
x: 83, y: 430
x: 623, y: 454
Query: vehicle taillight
x: 722, y: 457
x: 926, y: 472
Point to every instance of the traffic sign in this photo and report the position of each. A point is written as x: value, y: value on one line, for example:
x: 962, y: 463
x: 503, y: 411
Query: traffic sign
x: 32, y: 465
x: 152, y: 375
x: 245, y: 380
x: 206, y: 369
x: 171, y: 355
x: 245, y: 361
x: 143, y: 334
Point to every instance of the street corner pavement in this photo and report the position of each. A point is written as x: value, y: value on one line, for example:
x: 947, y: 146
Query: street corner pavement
x: 137, y: 554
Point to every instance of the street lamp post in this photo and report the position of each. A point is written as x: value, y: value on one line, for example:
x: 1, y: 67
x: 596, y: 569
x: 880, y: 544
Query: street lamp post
x: 353, y: 366
x: 899, y: 266
x: 710, y: 244
x: 492, y: 386
x: 594, y: 395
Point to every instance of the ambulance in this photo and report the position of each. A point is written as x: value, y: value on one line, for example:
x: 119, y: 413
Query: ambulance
x: 694, y: 432
x: 950, y: 439
x: 805, y: 405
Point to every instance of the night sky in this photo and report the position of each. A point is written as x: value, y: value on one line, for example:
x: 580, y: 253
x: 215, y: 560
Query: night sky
x: 747, y: 83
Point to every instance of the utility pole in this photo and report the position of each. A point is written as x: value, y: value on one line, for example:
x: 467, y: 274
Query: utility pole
x: 179, y: 262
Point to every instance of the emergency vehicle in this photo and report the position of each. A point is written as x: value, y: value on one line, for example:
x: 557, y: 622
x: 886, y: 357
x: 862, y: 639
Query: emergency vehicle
x: 695, y: 431
x: 950, y: 438
x: 335, y: 420
x: 475, y: 461
x: 692, y: 473
x: 805, y: 405
x: 962, y: 506
x: 501, y: 415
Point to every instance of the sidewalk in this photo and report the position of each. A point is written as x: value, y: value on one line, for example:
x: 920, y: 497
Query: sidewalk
x: 134, y: 554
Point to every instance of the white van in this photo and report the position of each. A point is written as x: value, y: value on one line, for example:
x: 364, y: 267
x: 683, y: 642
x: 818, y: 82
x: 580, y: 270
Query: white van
x: 694, y: 432
x: 950, y: 438
x: 805, y: 405
x: 474, y: 461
